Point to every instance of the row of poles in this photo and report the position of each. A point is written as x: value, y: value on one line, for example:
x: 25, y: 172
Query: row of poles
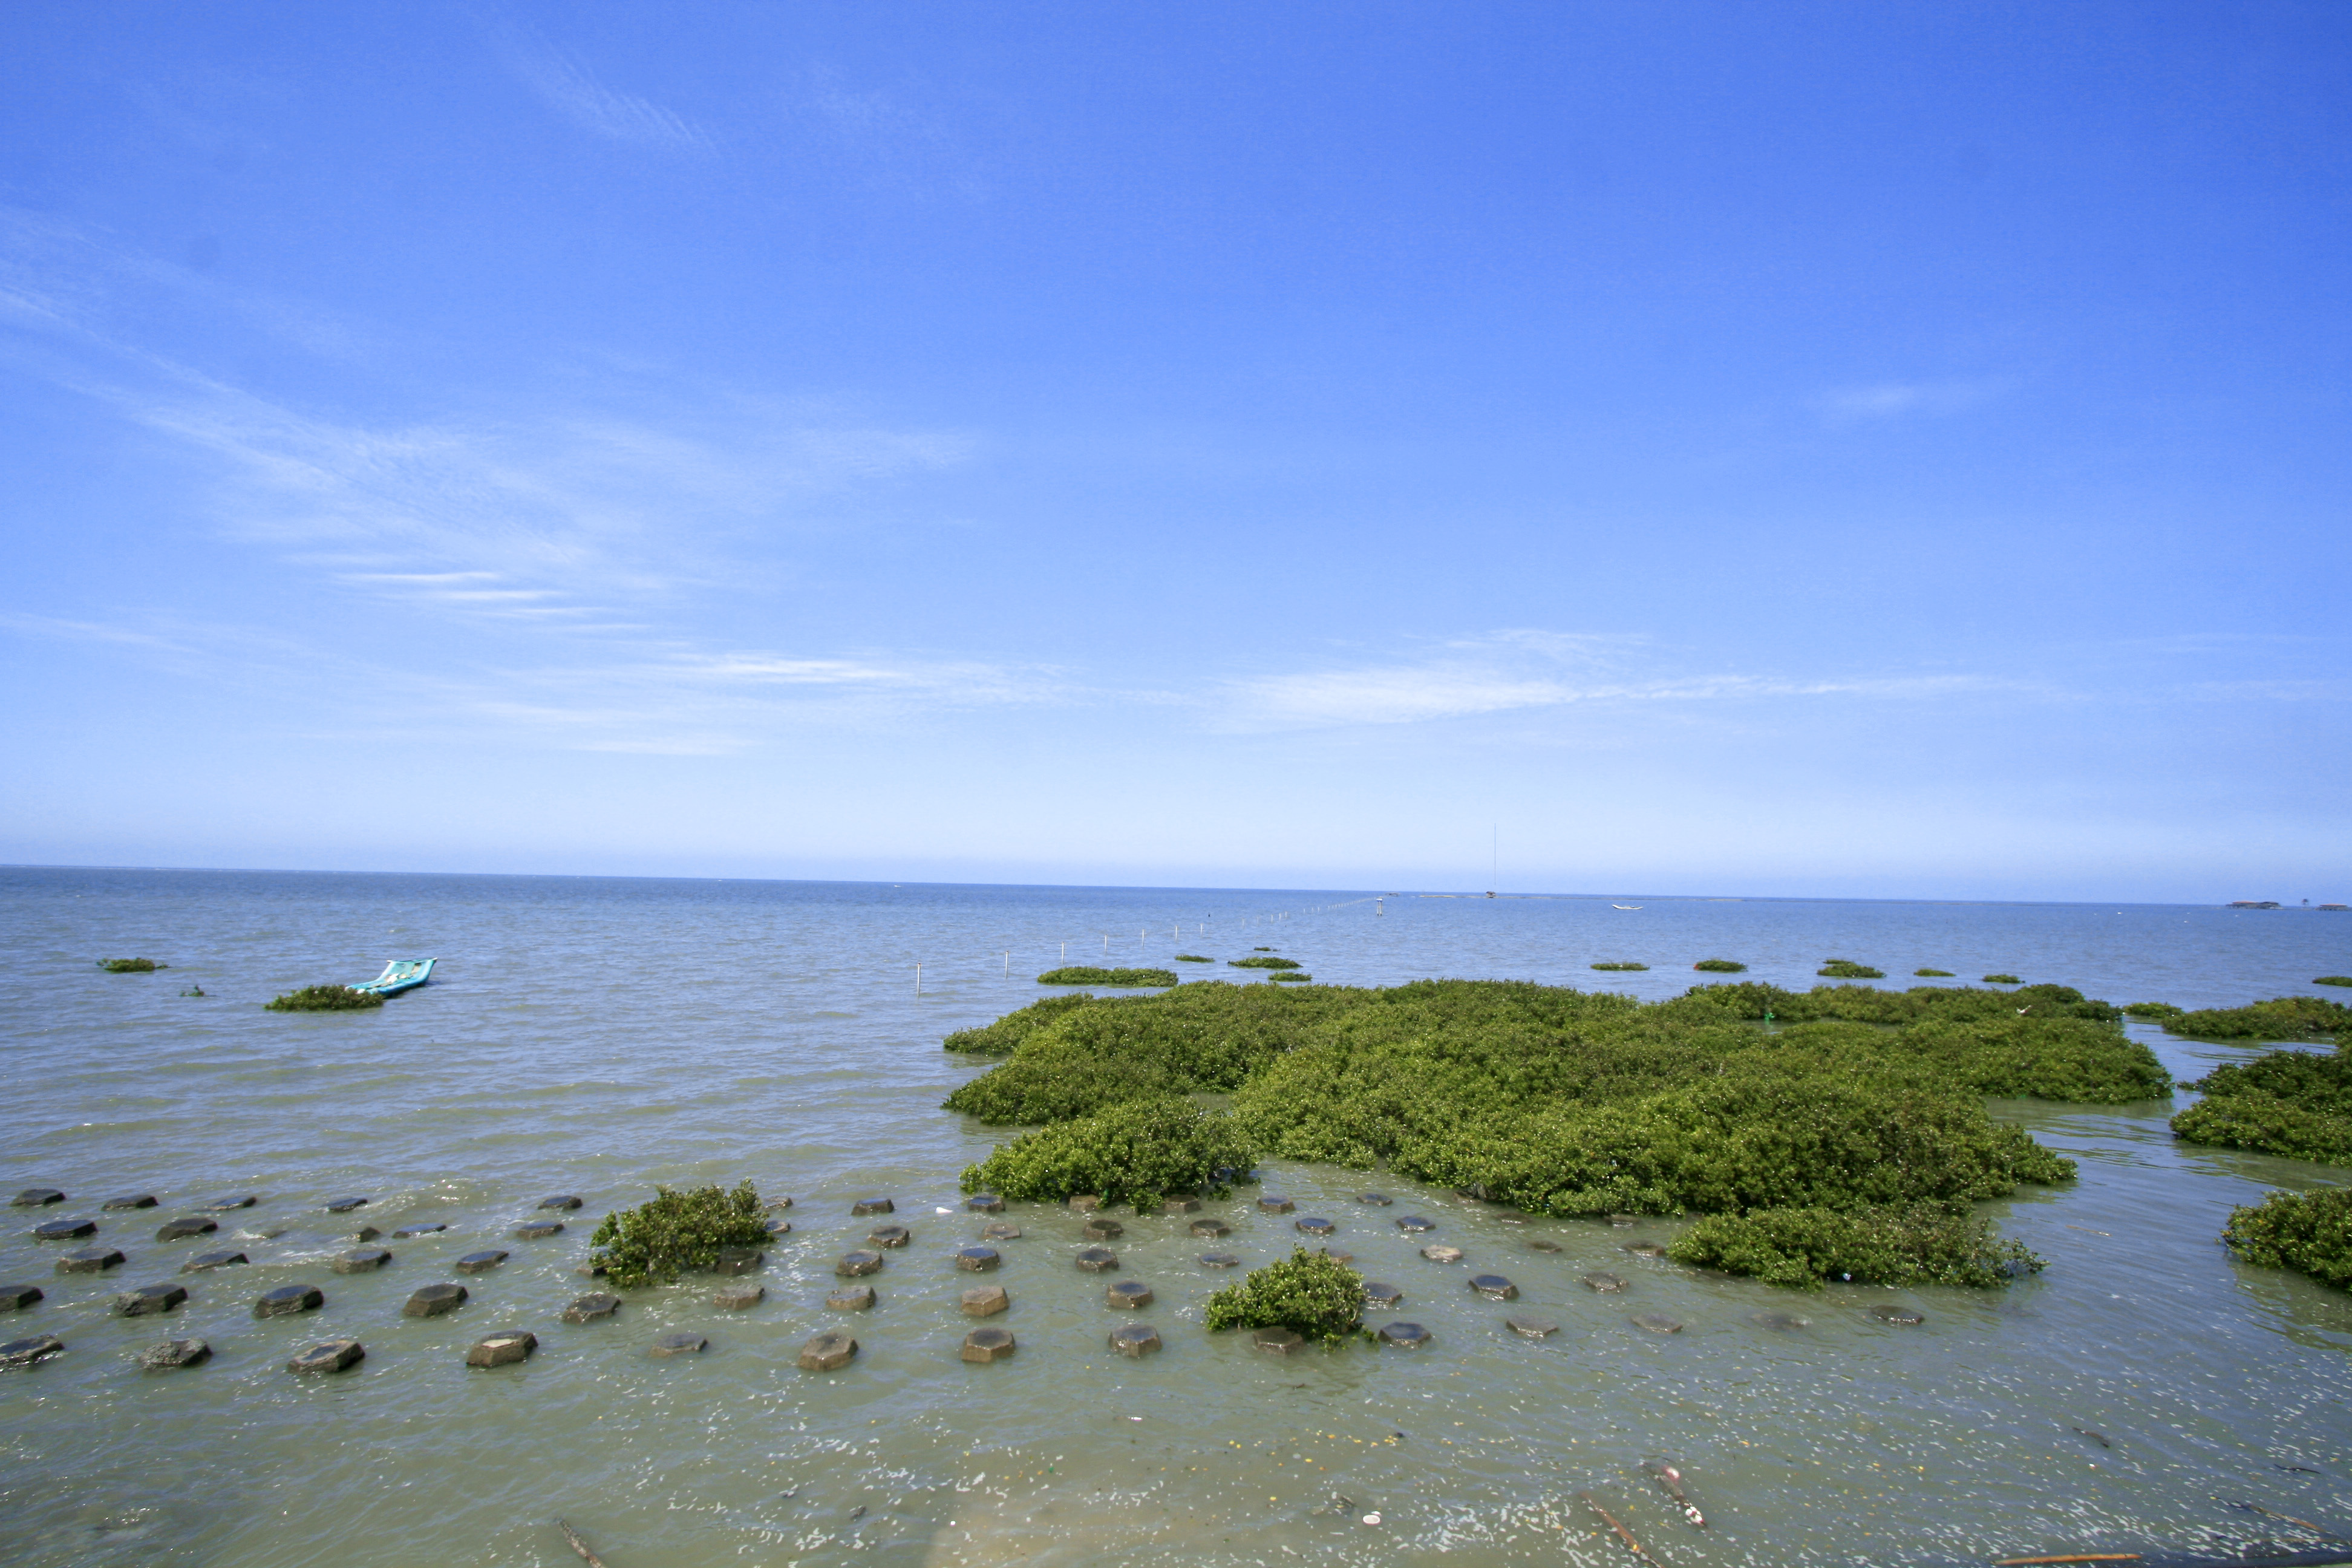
x: 1176, y: 931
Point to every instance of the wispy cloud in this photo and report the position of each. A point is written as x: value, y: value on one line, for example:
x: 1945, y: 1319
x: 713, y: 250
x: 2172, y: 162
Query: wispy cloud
x: 566, y: 84
x: 1896, y: 399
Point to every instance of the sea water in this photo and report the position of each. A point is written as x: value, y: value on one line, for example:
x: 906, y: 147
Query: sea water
x: 600, y: 1037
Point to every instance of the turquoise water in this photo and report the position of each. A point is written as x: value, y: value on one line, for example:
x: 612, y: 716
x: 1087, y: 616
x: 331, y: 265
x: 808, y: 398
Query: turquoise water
x: 598, y: 1037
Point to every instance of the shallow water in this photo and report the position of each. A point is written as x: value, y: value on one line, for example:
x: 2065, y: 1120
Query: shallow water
x: 598, y: 1037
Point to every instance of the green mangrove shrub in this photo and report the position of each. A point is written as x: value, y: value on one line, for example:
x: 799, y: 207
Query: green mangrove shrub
x: 325, y: 999
x: 1869, y: 1004
x: 1720, y: 966
x: 2308, y: 1232
x: 2153, y: 1010
x: 656, y: 1242
x: 1193, y: 958
x: 2297, y: 1104
x: 131, y: 965
x: 1933, y: 973
x: 1847, y: 969
x: 1136, y: 1153
x: 1299, y: 975
x: 1268, y: 962
x: 2280, y: 1018
x: 1086, y: 974
x: 1621, y: 965
x: 2333, y: 980
x: 1002, y: 1037
x: 2002, y: 979
x: 1918, y: 1243
x: 1311, y: 1292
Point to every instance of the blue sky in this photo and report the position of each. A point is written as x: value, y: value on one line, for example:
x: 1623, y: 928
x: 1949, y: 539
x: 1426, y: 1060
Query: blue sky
x: 1892, y: 451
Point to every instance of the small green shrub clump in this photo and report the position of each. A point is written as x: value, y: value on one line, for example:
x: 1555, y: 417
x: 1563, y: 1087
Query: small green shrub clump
x: 1621, y: 965
x: 2310, y: 1232
x: 2334, y: 979
x: 1262, y: 962
x: 2294, y: 1103
x: 131, y: 965
x: 2002, y: 979
x: 1261, y: 950
x: 1847, y: 969
x: 1720, y: 966
x: 2153, y: 1010
x: 1298, y: 976
x: 2280, y: 1018
x: 1135, y: 1153
x: 1311, y: 1292
x: 1916, y: 1244
x: 656, y: 1242
x: 1086, y: 974
x: 1193, y: 958
x: 1933, y: 973
x: 325, y: 999
x: 1002, y: 1037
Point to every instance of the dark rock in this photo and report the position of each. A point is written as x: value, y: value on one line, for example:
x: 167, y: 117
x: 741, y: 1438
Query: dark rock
x: 235, y: 1201
x: 175, y: 1353
x: 432, y: 1300
x: 149, y: 1300
x: 1530, y: 1328
x: 502, y: 1350
x: 779, y: 1227
x: 1314, y: 1224
x: 204, y: 1262
x: 366, y: 1233
x: 851, y: 1299
x: 1000, y: 1232
x: 1180, y: 1205
x: 288, y: 1300
x: 1405, y: 1336
x: 593, y: 1309
x: 1380, y: 1200
x: 984, y: 1301
x: 37, y: 1197
x: 89, y: 1260
x: 1411, y: 1223
x: 17, y: 1298
x: 988, y: 1344
x: 1646, y: 1248
x: 564, y: 1201
x: 1096, y: 1259
x: 984, y: 1203
x: 1541, y: 1245
x: 1438, y: 1252
x: 1378, y: 1293
x: 1210, y: 1229
x: 739, y: 1298
x: 538, y: 1229
x: 1607, y: 1283
x: 65, y: 1229
x: 889, y: 1236
x: 1494, y: 1287
x: 827, y: 1352
x: 130, y: 1201
x: 1128, y: 1293
x: 852, y: 1264
x: 1275, y: 1203
x: 1085, y: 1203
x: 680, y: 1344
x: 864, y: 1206
x: 777, y: 1205
x: 406, y: 1231
x: 361, y: 1260
x: 1220, y: 1260
x: 1103, y: 1230
x: 1889, y: 1313
x: 480, y: 1262
x: 25, y: 1351
x: 262, y: 1233
x: 1135, y: 1339
x: 977, y: 1259
x: 738, y: 1260
x: 1656, y: 1324
x: 1278, y: 1342
x: 345, y: 1205
x: 1781, y: 1322
x: 329, y: 1355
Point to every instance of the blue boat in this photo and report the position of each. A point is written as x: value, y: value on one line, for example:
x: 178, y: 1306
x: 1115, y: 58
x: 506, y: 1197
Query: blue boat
x: 401, y: 974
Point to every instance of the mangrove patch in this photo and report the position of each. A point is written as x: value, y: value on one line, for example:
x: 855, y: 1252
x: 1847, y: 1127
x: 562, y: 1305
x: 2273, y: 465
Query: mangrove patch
x: 675, y: 1232
x: 325, y: 999
x: 2294, y: 1103
x: 1135, y: 1152
x: 2002, y: 979
x: 2308, y: 1232
x: 1086, y: 974
x: 2333, y: 980
x: 131, y: 965
x: 2280, y: 1018
x: 1847, y: 969
x: 1311, y: 1293
x: 1254, y: 962
x: 1720, y: 966
x: 1622, y: 964
x: 1933, y: 973
x: 1919, y: 1244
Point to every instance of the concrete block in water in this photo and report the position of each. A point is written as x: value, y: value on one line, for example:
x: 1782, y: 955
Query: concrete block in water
x: 1085, y: 1203
x: 1404, y: 1336
x: 65, y: 1229
x: 1275, y: 1203
x: 680, y: 1344
x: 37, y: 1197
x: 739, y: 1298
x: 1906, y: 1316
x: 1541, y: 1245
x: 205, y: 1262
x: 852, y: 1264
x: 184, y: 1227
x: 984, y: 1203
x: 988, y: 1344
x: 1000, y: 1232
x: 480, y: 1262
x: 1219, y: 1260
x: 738, y: 1260
x: 502, y: 1350
x: 1380, y: 1294
x: 889, y: 1236
x: 288, y: 1299
x: 345, y: 1205
x: 564, y: 1201
x: 1607, y: 1284
x: 1135, y: 1339
x: 1379, y: 1200
x: 1180, y: 1205
x: 149, y: 1300
x: 984, y: 1301
x: 538, y: 1229
x: 361, y: 1260
x: 17, y: 1298
x: 432, y: 1300
x: 329, y: 1355
x: 89, y: 1260
x: 25, y: 1351
x: 130, y: 1201
x: 827, y: 1352
x: 1646, y: 1248
x: 1210, y: 1229
x: 1411, y: 1223
x: 1097, y: 1259
x: 1530, y: 1328
x: 977, y: 1259
x: 235, y: 1201
x: 1494, y: 1287
x: 1102, y: 1229
x: 1656, y: 1324
x: 408, y: 1231
x: 593, y: 1309
x: 173, y: 1354
x: 852, y: 1298
x: 864, y: 1206
x: 1312, y: 1224
x: 1437, y: 1252
x: 1128, y: 1293
x: 1278, y: 1342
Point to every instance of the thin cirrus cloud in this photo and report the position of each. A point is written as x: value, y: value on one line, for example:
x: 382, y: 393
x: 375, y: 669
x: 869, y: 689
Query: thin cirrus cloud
x: 1887, y: 400
x: 565, y: 83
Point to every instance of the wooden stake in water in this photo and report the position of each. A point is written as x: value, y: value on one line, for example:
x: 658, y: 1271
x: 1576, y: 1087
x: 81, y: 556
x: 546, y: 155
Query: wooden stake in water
x: 918, y: 980
x: 1008, y: 963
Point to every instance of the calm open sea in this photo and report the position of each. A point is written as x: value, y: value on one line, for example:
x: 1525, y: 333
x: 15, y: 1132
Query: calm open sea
x: 598, y: 1037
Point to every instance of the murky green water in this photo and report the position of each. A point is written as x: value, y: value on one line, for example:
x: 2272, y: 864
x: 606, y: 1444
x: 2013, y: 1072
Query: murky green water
x: 598, y: 1037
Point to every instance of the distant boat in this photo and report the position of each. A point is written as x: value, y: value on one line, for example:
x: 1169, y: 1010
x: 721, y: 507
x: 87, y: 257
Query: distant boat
x: 1624, y: 906
x: 401, y: 974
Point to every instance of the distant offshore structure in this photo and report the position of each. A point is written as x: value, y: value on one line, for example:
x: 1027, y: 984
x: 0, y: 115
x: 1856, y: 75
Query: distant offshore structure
x: 2274, y: 903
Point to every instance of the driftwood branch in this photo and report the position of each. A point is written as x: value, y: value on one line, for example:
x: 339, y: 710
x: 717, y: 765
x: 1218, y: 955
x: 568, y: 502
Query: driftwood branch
x: 579, y: 1545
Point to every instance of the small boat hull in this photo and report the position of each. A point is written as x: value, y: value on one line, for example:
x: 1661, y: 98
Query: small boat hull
x: 400, y: 975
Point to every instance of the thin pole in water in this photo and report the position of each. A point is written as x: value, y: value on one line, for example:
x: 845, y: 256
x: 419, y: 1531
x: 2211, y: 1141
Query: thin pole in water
x: 1008, y: 963
x: 918, y: 980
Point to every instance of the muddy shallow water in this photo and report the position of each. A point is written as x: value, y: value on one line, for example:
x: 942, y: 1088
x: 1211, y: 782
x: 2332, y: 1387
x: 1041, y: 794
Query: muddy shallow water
x: 597, y: 1037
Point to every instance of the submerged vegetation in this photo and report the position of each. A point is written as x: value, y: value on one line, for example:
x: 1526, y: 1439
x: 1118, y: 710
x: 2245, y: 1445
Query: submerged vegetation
x: 656, y: 1242
x: 2294, y: 1103
x: 1924, y: 1243
x: 1720, y: 966
x: 2310, y: 1232
x: 1847, y: 969
x: 2280, y: 1018
x: 1138, y: 1152
x: 1933, y: 973
x: 1086, y: 974
x: 325, y: 999
x: 1311, y: 1292
x: 1621, y: 965
x: 1870, y: 1103
x: 1254, y: 963
x: 131, y: 965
